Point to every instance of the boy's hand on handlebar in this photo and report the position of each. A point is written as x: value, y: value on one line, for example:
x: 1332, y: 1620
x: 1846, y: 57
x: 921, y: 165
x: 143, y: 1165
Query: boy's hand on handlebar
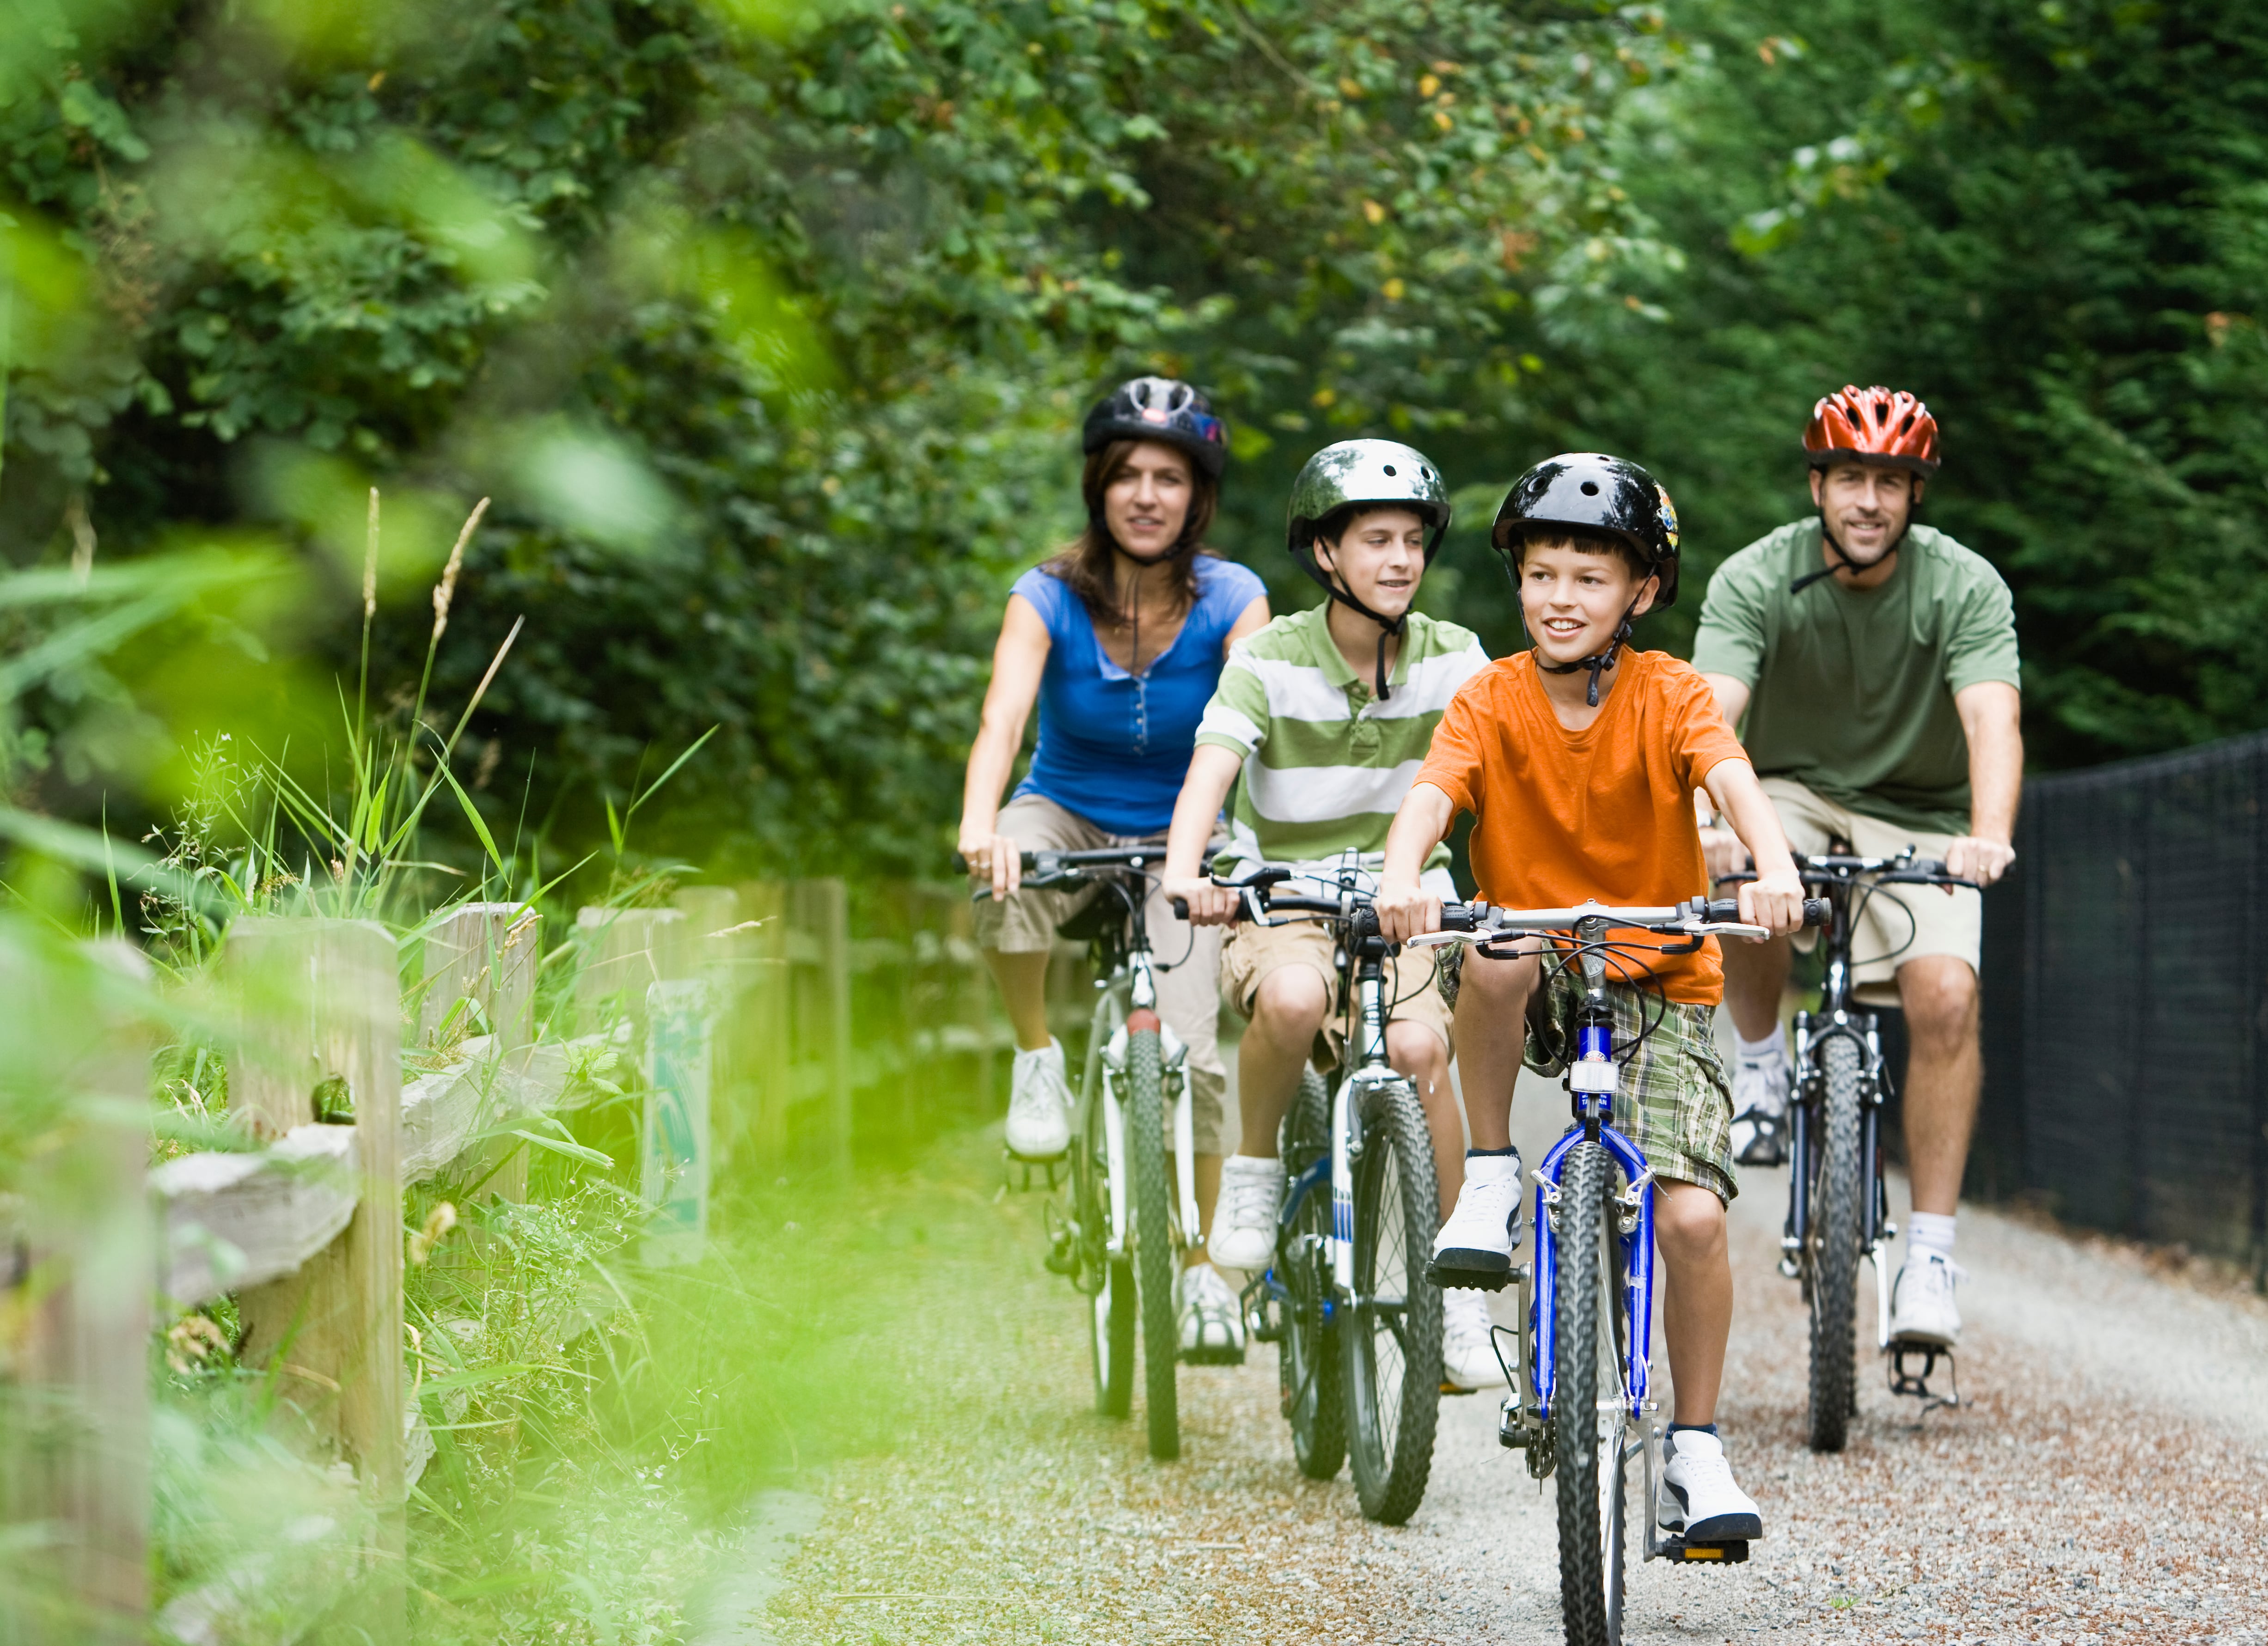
x: 1209, y: 905
x: 1774, y: 901
x: 1722, y: 850
x: 992, y: 856
x: 1974, y: 857
x: 1405, y: 910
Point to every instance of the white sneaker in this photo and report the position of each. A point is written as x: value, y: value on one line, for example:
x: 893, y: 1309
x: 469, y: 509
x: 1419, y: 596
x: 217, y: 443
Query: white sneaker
x: 1469, y: 1359
x: 1760, y: 1089
x: 1212, y: 1319
x: 1244, y: 1223
x: 1922, y: 1309
x: 1698, y: 1497
x: 1039, y: 1104
x: 1474, y: 1247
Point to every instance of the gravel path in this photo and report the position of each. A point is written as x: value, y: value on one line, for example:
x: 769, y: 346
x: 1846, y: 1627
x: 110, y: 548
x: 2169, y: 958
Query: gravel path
x: 2105, y: 1481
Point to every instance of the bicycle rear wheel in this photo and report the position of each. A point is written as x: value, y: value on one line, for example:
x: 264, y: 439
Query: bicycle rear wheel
x: 1833, y: 1254
x: 1307, y: 1356
x: 1154, y: 1239
x: 1110, y: 1317
x: 1392, y: 1335
x: 1589, y: 1420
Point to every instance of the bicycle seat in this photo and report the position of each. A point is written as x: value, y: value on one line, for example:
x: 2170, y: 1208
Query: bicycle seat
x: 1097, y: 917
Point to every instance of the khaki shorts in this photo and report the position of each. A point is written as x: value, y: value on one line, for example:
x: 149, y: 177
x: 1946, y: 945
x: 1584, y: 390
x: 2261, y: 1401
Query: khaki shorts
x: 1253, y: 951
x: 1896, y: 923
x: 1673, y: 1100
x: 1187, y: 988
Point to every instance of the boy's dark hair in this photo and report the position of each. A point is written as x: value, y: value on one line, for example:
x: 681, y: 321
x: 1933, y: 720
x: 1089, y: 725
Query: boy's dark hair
x: 1333, y: 526
x: 1583, y: 539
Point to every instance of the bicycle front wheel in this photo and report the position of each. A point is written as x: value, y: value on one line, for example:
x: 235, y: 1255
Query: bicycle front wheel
x: 1590, y: 1420
x: 1392, y: 1335
x: 1833, y: 1254
x: 1110, y: 1318
x: 1306, y: 1358
x: 1154, y: 1239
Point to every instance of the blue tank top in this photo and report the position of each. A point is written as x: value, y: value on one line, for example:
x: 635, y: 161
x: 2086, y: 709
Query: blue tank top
x: 1114, y: 748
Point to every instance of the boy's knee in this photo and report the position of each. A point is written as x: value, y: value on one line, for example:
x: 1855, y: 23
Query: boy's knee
x: 1688, y: 1221
x: 1415, y: 1048
x: 1291, y: 1000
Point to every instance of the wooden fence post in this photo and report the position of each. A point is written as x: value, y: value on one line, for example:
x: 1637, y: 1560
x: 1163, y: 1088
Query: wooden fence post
x: 824, y: 908
x: 323, y: 1003
x: 78, y: 1451
x: 626, y: 950
x: 487, y: 952
x: 764, y: 1018
x: 674, y: 1154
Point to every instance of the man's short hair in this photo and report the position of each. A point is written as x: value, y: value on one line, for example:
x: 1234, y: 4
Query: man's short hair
x: 1583, y: 539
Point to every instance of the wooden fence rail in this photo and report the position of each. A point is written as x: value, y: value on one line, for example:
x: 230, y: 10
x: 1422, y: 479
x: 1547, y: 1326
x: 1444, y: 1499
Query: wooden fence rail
x: 756, y: 1021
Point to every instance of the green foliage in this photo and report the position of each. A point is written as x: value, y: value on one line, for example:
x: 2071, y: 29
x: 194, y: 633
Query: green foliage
x: 768, y: 332
x: 2045, y: 220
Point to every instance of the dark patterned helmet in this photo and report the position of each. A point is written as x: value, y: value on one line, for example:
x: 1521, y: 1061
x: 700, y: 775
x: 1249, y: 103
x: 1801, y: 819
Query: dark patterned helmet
x: 1596, y: 492
x: 1163, y: 409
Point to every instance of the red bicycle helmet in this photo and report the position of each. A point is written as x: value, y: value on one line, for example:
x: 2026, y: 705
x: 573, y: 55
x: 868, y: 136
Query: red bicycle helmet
x: 1875, y: 425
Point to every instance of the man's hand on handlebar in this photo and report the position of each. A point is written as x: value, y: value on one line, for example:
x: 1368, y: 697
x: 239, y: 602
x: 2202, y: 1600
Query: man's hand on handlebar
x: 1974, y: 857
x: 1209, y: 904
x: 1722, y: 850
x: 992, y: 856
x: 1774, y: 901
x: 1405, y: 909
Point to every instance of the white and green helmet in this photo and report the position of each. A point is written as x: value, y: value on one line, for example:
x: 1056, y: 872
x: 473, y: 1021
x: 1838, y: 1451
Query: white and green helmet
x: 1365, y: 474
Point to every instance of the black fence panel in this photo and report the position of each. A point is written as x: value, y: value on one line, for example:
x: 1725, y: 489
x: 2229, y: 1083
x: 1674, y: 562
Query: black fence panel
x: 2124, y: 1010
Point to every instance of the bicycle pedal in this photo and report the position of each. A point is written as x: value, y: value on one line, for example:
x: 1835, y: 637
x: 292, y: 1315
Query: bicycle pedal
x: 1905, y: 1380
x: 1213, y: 1357
x: 1675, y: 1548
x: 1455, y: 1388
x: 1469, y: 1278
x: 1016, y: 1170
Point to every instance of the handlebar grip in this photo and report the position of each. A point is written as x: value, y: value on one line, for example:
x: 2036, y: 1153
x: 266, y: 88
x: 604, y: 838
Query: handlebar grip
x: 1817, y: 911
x: 1458, y: 917
x: 1723, y: 911
x: 1180, y: 906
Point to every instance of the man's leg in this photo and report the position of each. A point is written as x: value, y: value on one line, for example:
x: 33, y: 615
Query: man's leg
x: 1756, y: 979
x: 1945, y: 1076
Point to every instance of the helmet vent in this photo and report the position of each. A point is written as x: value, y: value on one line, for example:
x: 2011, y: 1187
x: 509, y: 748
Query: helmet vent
x: 1390, y: 469
x: 1590, y: 488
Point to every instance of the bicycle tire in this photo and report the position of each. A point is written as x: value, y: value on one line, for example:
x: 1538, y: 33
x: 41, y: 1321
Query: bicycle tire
x: 1153, y: 1240
x: 1592, y: 1464
x: 1307, y: 1356
x: 1833, y: 1254
x: 1392, y: 1364
x: 1111, y: 1314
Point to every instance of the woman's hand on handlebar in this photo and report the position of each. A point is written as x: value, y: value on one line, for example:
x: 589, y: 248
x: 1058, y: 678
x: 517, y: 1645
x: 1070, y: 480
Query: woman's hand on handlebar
x: 1209, y: 904
x: 992, y: 856
x: 1405, y: 909
x: 1773, y: 901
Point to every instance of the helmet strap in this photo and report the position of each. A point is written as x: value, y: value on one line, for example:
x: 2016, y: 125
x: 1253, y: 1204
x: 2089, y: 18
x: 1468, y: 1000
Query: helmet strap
x: 1601, y: 662
x: 1827, y: 536
x: 1389, y: 629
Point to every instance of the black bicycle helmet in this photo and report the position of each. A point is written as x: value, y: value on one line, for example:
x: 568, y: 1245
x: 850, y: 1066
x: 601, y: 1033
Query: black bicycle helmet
x: 1598, y: 493
x: 1165, y: 409
x: 1343, y: 477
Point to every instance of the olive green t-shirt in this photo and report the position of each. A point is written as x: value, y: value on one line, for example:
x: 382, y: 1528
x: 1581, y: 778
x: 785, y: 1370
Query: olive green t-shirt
x: 1851, y: 689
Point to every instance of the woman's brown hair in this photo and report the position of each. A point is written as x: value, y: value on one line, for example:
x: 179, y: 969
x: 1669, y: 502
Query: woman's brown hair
x: 1086, y: 565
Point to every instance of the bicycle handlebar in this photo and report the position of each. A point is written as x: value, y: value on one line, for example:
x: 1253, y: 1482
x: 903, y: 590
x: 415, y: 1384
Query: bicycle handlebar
x: 1045, y: 869
x: 1899, y: 871
x: 1698, y: 917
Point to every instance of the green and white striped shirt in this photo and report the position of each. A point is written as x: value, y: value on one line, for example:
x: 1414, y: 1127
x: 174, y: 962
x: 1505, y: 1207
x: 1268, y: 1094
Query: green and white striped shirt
x: 1327, y: 764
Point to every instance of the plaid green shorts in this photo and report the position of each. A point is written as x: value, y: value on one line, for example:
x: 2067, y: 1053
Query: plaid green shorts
x: 1673, y: 1100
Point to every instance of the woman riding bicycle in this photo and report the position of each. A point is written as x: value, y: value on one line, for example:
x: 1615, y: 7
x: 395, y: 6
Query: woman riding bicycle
x: 1120, y: 639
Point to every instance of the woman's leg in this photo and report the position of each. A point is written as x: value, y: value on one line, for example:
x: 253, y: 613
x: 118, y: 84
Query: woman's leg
x: 1023, y: 981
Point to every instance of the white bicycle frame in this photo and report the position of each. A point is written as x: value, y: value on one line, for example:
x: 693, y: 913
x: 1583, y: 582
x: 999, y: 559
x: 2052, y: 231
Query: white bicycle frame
x: 1134, y: 988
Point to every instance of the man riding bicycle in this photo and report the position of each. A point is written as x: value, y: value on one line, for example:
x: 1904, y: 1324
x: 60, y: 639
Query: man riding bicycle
x: 1875, y: 661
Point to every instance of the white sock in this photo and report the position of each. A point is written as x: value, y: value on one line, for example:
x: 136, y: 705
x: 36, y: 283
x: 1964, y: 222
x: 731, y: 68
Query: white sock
x: 1764, y: 1051
x: 1929, y: 1234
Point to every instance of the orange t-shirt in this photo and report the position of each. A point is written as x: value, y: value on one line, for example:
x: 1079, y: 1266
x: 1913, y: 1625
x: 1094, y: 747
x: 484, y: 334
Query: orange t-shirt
x: 1606, y: 813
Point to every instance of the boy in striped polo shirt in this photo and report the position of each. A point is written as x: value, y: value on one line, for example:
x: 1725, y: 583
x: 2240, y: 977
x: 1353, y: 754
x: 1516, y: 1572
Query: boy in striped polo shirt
x: 1328, y: 715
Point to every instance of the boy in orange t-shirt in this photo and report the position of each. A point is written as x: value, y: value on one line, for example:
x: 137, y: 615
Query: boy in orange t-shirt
x: 1578, y: 761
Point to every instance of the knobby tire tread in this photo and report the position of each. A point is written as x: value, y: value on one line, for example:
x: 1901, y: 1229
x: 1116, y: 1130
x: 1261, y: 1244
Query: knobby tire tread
x: 1308, y: 1359
x: 1835, y: 1250
x: 1153, y: 1241
x: 1582, y: 1286
x: 1110, y: 1340
x: 1390, y: 1487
